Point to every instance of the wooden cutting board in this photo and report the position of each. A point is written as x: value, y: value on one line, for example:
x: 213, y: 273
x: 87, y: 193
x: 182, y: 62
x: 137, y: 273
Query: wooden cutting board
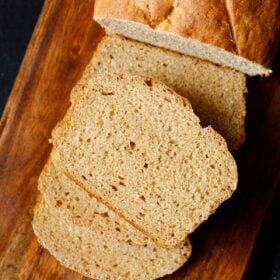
x: 62, y: 44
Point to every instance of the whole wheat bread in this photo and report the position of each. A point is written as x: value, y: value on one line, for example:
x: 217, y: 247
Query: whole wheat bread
x: 243, y: 35
x: 217, y: 94
x: 138, y: 147
x: 77, y: 205
x: 100, y: 257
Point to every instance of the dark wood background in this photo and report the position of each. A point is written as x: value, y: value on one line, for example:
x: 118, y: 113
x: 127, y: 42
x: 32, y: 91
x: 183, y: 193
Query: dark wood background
x: 239, y: 241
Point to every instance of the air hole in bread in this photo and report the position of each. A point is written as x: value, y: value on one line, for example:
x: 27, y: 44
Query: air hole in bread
x: 132, y: 145
x: 58, y: 203
x: 105, y: 215
x: 84, y: 177
x: 142, y: 197
x: 114, y: 187
x: 146, y: 165
x: 149, y: 82
x: 107, y: 93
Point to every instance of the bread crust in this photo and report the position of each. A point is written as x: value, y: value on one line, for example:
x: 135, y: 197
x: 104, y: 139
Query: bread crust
x: 256, y: 28
x: 247, y: 28
x: 206, y: 23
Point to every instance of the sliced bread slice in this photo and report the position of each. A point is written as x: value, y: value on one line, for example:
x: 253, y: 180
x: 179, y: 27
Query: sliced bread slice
x: 137, y: 146
x: 217, y: 94
x: 100, y: 257
x: 77, y: 205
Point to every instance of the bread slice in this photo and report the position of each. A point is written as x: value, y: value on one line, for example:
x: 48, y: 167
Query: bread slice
x: 242, y: 35
x: 100, y: 257
x: 217, y: 94
x: 138, y: 147
x: 77, y: 205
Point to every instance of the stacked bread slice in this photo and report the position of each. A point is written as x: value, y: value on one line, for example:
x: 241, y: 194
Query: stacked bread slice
x: 132, y: 173
x: 217, y: 94
x: 107, y: 247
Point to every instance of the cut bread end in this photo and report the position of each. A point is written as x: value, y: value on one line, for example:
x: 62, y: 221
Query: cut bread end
x: 168, y: 40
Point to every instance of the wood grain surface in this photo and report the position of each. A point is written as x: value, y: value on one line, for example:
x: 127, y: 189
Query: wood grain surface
x: 63, y: 42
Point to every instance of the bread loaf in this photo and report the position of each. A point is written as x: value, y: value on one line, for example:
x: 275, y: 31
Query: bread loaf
x: 138, y: 147
x: 239, y: 34
x: 100, y: 257
x: 217, y: 94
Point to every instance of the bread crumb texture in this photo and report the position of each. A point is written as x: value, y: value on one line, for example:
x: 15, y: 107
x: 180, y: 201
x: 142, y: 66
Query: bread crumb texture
x: 100, y: 257
x: 137, y: 146
x: 216, y: 93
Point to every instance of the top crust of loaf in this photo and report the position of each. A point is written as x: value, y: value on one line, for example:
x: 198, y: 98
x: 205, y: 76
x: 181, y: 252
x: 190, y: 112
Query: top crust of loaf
x: 256, y: 27
x: 138, y: 147
x: 247, y: 33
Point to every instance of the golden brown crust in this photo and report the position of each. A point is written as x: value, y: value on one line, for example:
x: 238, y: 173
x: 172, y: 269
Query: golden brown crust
x: 256, y: 28
x: 203, y: 21
x: 245, y: 27
x: 121, y: 9
x: 157, y: 10
x: 150, y: 12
